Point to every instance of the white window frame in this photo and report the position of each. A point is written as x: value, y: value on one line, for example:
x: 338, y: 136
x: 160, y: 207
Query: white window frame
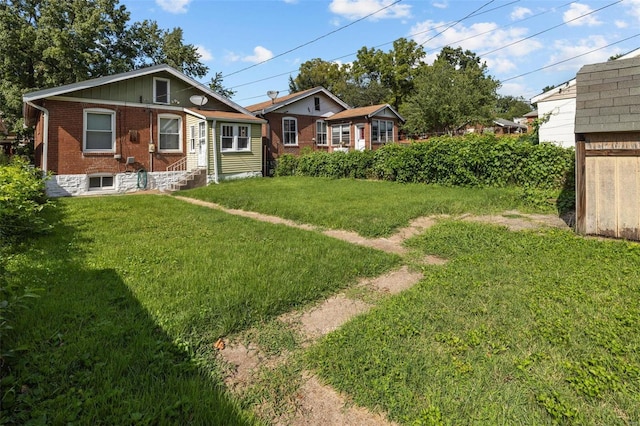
x: 340, y: 128
x: 284, y: 132
x: 377, y: 136
x: 155, y: 94
x: 235, y: 137
x: 202, y: 133
x: 112, y: 187
x: 319, y: 140
x: 192, y: 139
x: 101, y: 111
x: 170, y: 117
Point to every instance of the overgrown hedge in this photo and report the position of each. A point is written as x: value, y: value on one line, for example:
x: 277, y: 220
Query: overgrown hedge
x: 473, y: 160
x: 22, y: 199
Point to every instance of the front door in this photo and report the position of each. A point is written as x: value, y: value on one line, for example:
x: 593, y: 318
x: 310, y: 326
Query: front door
x: 202, y: 144
x: 360, y: 139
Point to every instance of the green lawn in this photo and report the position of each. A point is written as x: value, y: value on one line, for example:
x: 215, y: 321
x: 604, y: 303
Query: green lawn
x: 371, y: 208
x: 518, y: 328
x: 135, y: 291
x: 532, y: 327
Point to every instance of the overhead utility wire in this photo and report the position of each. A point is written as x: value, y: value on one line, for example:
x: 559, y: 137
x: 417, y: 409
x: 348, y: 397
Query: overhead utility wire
x: 569, y: 59
x: 549, y: 29
x: 314, y: 40
x: 494, y: 29
x: 390, y: 42
x: 518, y: 41
x: 458, y: 21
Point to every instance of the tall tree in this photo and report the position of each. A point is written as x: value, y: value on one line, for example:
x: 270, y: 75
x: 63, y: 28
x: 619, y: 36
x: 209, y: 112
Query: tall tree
x: 317, y: 72
x: 216, y: 85
x: 46, y: 43
x: 510, y: 107
x: 394, y: 70
x: 452, y: 92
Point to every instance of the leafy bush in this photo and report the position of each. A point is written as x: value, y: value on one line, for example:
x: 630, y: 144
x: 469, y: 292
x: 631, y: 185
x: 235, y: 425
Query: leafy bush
x: 22, y: 198
x: 472, y: 160
x: 286, y: 165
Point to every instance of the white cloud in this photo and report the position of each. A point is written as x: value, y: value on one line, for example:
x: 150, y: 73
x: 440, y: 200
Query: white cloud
x: 480, y: 37
x: 205, y: 54
x: 173, y: 6
x: 576, y: 10
x: 621, y: 24
x: 634, y: 8
x: 565, y: 50
x: 260, y: 54
x: 356, y: 9
x: 500, y: 65
x: 516, y: 89
x: 440, y: 5
x: 520, y: 13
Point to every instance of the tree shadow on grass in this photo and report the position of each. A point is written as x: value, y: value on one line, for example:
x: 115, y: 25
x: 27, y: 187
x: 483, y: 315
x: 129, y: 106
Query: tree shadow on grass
x: 93, y: 355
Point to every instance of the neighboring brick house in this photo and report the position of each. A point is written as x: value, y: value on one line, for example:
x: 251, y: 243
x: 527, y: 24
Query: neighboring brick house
x: 317, y: 120
x: 607, y: 126
x: 365, y: 127
x: 144, y: 129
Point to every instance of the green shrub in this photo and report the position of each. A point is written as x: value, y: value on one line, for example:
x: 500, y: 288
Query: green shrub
x: 541, y: 170
x: 286, y: 165
x: 22, y: 198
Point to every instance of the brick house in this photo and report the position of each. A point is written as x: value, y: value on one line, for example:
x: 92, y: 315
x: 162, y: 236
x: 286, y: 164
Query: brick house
x: 317, y: 120
x: 144, y: 129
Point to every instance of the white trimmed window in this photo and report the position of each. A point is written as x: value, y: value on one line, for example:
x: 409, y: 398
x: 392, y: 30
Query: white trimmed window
x: 289, y: 131
x: 192, y: 139
x: 321, y: 132
x: 381, y: 131
x: 340, y: 134
x: 169, y: 133
x: 101, y: 182
x: 99, y: 134
x: 235, y: 137
x: 161, y: 90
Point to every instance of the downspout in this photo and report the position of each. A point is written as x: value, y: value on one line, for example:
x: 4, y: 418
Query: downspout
x: 45, y: 134
x: 215, y: 153
x: 150, y: 140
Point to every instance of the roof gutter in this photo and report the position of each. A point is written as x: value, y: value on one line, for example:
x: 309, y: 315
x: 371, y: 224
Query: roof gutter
x: 45, y: 134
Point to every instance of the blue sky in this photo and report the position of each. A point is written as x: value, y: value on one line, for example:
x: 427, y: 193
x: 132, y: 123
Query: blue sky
x: 258, y: 44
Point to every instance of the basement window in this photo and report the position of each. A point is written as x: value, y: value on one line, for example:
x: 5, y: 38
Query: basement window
x: 101, y: 182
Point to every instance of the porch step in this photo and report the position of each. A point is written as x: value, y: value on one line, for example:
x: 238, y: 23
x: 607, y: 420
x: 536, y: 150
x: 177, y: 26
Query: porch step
x: 194, y: 179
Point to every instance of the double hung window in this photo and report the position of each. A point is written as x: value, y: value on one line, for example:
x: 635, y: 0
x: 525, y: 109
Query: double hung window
x: 99, y: 134
x: 169, y: 133
x: 235, y: 137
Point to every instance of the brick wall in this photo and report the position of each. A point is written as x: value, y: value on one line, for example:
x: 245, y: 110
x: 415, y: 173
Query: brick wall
x: 132, y: 139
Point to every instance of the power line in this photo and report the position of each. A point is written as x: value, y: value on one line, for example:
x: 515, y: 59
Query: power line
x: 458, y: 21
x: 315, y: 39
x: 473, y: 14
x: 569, y: 59
x: 549, y: 29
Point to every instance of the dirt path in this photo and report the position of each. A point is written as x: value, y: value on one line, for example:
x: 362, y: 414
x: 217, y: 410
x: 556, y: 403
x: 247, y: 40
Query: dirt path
x: 315, y: 403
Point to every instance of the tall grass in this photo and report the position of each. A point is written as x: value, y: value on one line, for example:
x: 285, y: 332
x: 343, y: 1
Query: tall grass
x: 134, y: 288
x: 518, y: 328
x: 371, y: 208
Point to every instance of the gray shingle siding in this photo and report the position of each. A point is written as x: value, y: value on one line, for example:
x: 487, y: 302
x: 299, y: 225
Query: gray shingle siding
x: 608, y: 97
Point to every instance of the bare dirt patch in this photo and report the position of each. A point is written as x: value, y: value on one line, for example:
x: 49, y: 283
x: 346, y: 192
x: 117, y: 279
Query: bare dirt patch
x: 516, y: 221
x: 314, y: 403
x: 321, y: 405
